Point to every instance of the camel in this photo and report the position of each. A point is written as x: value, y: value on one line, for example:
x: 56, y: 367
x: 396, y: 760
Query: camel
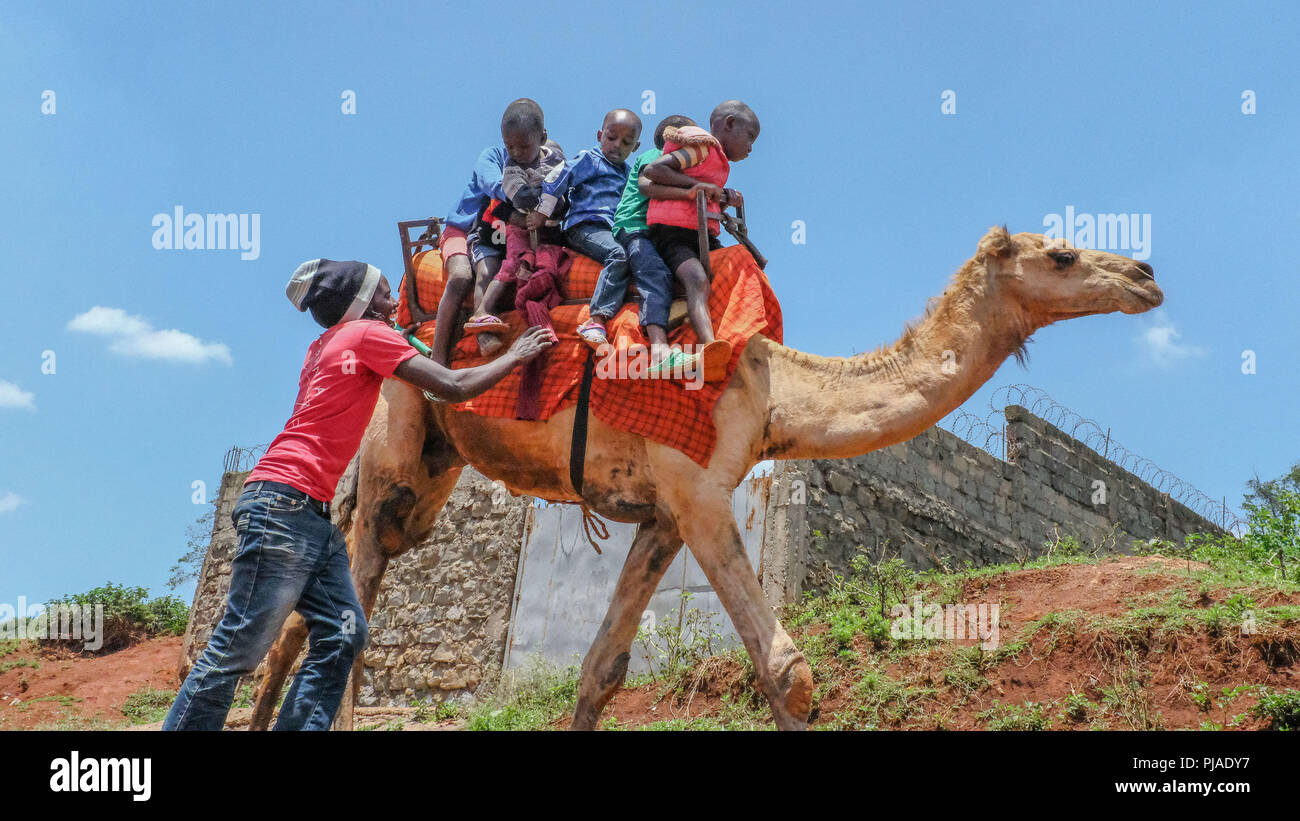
x: 779, y: 404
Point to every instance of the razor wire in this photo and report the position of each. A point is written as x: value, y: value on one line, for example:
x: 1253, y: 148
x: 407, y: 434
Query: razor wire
x: 988, y: 433
x: 240, y: 459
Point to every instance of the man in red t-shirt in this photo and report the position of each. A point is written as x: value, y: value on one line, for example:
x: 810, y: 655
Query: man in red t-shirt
x: 290, y: 555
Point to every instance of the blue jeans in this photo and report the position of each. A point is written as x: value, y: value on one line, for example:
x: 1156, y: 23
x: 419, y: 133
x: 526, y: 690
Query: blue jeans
x: 654, y: 282
x: 595, y: 240
x: 289, y: 558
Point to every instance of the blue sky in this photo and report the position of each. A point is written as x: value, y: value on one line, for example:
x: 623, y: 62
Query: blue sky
x: 236, y: 108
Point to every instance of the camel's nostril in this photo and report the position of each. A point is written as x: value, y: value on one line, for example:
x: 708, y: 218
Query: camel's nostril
x: 1151, y: 272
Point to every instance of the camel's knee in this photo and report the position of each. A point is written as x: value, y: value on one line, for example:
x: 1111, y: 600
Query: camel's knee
x: 388, y: 522
x: 616, y: 673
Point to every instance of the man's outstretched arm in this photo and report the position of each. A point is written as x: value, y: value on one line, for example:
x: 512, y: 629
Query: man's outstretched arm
x: 467, y: 383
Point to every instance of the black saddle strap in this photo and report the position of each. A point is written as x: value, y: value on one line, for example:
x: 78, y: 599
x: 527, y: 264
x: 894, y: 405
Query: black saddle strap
x: 578, y: 447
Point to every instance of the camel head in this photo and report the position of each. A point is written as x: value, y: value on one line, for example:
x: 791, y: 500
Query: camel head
x: 1051, y: 280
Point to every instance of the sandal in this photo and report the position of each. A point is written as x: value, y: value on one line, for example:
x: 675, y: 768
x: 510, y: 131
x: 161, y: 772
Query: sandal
x: 593, y: 333
x: 715, y: 357
x: 487, y: 322
x: 675, y: 364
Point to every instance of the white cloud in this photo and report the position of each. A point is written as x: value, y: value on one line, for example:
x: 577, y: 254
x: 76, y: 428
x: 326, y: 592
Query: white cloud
x: 12, y: 396
x: 1160, y: 342
x: 10, y: 501
x: 134, y: 336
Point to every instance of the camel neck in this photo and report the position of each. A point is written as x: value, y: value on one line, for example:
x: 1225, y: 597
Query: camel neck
x: 836, y: 407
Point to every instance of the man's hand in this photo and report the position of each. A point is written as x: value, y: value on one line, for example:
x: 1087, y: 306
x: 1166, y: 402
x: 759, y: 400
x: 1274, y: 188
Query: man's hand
x: 534, y: 220
x: 531, y: 343
x: 462, y: 384
x: 735, y: 198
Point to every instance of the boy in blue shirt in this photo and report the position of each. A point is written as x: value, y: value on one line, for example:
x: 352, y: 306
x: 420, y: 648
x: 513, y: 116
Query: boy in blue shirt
x: 592, y: 184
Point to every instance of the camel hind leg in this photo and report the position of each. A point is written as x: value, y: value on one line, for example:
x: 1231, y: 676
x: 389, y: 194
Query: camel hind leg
x: 406, y: 471
x: 605, y: 665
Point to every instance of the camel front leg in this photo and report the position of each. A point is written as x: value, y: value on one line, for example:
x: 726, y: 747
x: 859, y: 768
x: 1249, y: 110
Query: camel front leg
x: 605, y: 665
x: 408, y: 470
x: 705, y: 520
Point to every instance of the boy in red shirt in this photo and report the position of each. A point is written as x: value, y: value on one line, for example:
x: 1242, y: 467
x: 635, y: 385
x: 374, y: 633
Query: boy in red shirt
x: 697, y: 159
x: 290, y: 555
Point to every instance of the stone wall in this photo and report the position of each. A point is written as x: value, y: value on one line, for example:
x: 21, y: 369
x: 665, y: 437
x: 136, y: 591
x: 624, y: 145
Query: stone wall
x: 214, y: 578
x: 937, y: 499
x: 443, y: 613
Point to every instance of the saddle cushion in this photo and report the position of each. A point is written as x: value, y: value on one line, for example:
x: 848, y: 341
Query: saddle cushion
x: 675, y: 413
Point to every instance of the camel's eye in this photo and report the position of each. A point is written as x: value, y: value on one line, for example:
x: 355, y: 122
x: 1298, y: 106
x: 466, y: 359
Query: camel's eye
x: 1063, y: 259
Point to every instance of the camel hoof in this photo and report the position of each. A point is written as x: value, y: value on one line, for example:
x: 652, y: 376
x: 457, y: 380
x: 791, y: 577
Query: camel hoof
x: 797, y: 682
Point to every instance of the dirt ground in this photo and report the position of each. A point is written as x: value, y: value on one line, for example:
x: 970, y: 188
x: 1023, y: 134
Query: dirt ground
x: 67, y: 687
x: 44, y: 691
x: 1054, y: 667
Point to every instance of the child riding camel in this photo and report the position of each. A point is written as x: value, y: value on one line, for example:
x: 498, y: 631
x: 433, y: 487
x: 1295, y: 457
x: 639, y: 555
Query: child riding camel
x: 654, y: 282
x: 592, y: 184
x: 467, y: 249
x: 694, y: 158
x: 530, y: 255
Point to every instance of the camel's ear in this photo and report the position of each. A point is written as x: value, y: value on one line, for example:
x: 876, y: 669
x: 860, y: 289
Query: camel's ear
x: 996, y: 243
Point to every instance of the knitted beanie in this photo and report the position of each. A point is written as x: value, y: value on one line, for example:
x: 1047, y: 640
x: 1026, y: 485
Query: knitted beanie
x: 334, y: 292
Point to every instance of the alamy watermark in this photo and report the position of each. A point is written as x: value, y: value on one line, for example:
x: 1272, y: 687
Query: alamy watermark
x: 69, y: 622
x: 1102, y: 232
x: 179, y: 231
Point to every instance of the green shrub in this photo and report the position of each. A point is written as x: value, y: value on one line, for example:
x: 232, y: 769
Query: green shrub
x: 129, y: 616
x: 1281, y: 709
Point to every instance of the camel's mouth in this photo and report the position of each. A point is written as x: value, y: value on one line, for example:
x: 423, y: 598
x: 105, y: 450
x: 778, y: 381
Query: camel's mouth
x: 1148, y: 294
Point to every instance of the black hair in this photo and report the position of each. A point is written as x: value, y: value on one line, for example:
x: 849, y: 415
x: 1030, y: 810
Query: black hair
x: 629, y: 112
x: 523, y: 115
x: 671, y: 121
x: 730, y: 108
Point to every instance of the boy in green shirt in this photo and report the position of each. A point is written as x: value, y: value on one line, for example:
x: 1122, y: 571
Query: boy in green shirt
x: 652, y: 277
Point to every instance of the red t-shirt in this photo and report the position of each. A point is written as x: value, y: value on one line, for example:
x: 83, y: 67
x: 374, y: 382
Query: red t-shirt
x: 337, y: 392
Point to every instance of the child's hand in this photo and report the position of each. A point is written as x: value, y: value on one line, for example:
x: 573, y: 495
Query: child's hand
x: 712, y: 192
x: 531, y: 343
x: 735, y: 198
x: 534, y: 220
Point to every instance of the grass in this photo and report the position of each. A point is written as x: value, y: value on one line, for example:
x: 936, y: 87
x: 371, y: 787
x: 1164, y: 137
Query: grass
x: 1027, y: 716
x: 532, y: 698
x: 148, y: 706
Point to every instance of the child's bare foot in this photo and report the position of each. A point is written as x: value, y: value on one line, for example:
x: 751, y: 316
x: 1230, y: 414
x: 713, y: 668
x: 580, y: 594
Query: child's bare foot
x: 488, y: 343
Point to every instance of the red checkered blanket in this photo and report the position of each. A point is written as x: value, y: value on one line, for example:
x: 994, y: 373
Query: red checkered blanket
x: 741, y: 303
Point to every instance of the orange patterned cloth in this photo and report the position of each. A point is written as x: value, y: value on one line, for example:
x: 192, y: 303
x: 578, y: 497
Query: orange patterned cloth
x: 741, y: 303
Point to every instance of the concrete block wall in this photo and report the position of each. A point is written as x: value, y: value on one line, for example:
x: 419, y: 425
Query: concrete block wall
x: 936, y: 500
